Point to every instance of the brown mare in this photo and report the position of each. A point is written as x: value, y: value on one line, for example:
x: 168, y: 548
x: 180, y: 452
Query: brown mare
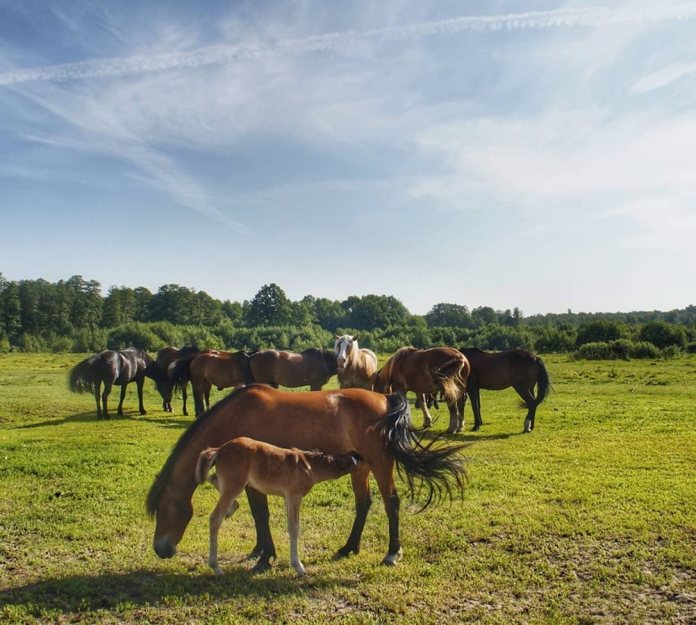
x: 211, y: 368
x: 270, y: 470
x: 312, y: 367
x: 115, y: 368
x: 427, y: 371
x: 357, y: 367
x: 375, y: 426
x: 494, y: 371
x: 165, y: 358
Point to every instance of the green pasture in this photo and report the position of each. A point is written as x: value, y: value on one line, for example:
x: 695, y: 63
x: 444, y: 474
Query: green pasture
x: 589, y: 519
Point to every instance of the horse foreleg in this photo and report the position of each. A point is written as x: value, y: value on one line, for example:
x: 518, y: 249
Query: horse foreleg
x: 385, y: 480
x: 292, y: 506
x: 264, y: 549
x: 97, y: 386
x: 184, y: 397
x: 139, y: 383
x: 363, y: 500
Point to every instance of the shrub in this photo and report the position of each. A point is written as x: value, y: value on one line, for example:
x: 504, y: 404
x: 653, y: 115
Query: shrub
x: 671, y: 351
x: 31, y: 343
x: 663, y: 334
x: 600, y: 331
x: 691, y: 347
x: 89, y: 340
x: 594, y: 351
x: 134, y: 335
x: 61, y: 345
x: 644, y: 349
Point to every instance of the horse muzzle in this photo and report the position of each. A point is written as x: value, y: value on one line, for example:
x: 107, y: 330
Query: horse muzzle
x: 164, y: 549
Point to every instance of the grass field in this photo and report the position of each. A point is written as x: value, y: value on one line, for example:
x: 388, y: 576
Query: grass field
x: 590, y: 519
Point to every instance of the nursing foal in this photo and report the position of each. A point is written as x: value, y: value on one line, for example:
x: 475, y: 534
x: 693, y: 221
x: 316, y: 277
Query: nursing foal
x: 271, y: 470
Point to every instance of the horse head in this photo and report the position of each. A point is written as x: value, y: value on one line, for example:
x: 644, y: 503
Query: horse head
x: 343, y: 347
x: 172, y: 512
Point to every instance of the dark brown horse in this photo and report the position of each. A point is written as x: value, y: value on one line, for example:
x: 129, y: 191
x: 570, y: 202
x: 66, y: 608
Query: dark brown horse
x: 312, y: 367
x: 375, y: 426
x: 427, y: 371
x: 211, y: 368
x: 165, y: 358
x: 115, y: 368
x: 494, y: 371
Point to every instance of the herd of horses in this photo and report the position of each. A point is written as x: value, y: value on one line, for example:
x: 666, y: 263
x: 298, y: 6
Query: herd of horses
x: 255, y: 434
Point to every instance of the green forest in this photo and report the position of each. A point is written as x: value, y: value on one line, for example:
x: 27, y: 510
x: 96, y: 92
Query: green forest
x: 74, y: 315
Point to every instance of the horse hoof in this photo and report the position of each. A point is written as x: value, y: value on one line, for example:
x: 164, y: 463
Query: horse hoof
x: 392, y: 558
x: 261, y: 566
x: 344, y: 552
x: 217, y: 570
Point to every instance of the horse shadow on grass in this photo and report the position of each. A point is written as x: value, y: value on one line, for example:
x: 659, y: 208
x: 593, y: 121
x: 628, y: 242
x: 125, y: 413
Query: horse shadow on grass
x: 91, y: 417
x: 148, y: 587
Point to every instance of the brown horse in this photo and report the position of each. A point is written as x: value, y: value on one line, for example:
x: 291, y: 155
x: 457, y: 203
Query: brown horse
x: 494, y: 371
x: 357, y: 367
x: 270, y: 470
x: 312, y: 367
x: 427, y: 371
x: 375, y: 426
x: 165, y: 357
x: 211, y: 368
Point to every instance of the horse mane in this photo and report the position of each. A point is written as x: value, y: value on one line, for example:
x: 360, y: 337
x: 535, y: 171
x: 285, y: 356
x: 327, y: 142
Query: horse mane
x: 162, y: 478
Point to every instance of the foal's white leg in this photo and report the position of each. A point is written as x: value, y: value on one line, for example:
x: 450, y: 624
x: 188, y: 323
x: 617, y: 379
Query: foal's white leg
x: 292, y: 505
x: 427, y: 419
x: 225, y: 507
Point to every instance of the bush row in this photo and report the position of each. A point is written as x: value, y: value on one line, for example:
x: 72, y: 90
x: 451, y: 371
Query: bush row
x: 156, y: 335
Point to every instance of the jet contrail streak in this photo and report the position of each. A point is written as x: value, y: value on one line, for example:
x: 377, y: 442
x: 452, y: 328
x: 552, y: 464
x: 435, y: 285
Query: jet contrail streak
x: 125, y: 66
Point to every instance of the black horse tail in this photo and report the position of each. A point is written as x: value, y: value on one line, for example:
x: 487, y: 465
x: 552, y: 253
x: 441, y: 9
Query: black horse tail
x: 81, y: 378
x: 436, y: 467
x: 179, y: 371
x: 543, y: 381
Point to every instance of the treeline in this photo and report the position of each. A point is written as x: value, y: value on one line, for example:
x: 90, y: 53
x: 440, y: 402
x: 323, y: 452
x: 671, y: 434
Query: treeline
x: 74, y: 315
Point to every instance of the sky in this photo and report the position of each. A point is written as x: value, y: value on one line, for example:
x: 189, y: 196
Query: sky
x: 531, y: 154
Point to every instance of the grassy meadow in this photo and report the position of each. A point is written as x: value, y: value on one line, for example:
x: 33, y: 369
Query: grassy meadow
x: 589, y: 519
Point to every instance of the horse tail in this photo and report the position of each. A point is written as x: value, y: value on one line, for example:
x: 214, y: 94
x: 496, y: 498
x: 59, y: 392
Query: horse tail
x: 543, y: 381
x: 179, y: 371
x: 80, y: 378
x: 206, y: 460
x: 451, y: 384
x: 434, y: 466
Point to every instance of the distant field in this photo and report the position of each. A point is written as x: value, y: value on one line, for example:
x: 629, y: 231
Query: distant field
x: 590, y: 519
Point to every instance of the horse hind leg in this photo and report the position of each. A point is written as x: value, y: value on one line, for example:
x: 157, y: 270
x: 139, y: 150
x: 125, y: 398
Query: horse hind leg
x: 363, y: 500
x: 384, y: 475
x: 97, y: 387
x: 105, y: 397
x: 530, y: 402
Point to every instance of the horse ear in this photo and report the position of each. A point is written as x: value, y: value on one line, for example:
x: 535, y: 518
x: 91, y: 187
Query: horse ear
x: 355, y: 338
x: 336, y: 337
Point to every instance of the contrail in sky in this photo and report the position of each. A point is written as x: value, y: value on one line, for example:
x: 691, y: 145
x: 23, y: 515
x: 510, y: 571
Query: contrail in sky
x: 230, y: 53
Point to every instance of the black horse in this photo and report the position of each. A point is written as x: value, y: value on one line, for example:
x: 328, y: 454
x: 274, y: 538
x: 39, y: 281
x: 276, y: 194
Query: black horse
x: 495, y: 371
x: 119, y: 368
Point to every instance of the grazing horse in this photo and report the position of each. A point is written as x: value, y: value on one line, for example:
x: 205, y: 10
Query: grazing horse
x: 165, y: 357
x: 211, y: 368
x: 357, y: 367
x: 375, y: 426
x: 119, y: 368
x: 427, y: 371
x: 312, y: 367
x: 495, y: 371
x: 270, y: 470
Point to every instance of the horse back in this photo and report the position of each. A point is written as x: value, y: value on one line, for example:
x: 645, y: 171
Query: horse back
x: 495, y: 371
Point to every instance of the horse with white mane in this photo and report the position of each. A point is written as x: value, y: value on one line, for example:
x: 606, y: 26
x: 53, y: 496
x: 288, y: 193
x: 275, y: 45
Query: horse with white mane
x: 357, y: 366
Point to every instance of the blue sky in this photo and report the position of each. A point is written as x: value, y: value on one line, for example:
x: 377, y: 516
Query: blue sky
x: 531, y: 154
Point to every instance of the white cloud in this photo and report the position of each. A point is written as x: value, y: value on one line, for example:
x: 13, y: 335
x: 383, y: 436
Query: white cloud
x: 663, y: 77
